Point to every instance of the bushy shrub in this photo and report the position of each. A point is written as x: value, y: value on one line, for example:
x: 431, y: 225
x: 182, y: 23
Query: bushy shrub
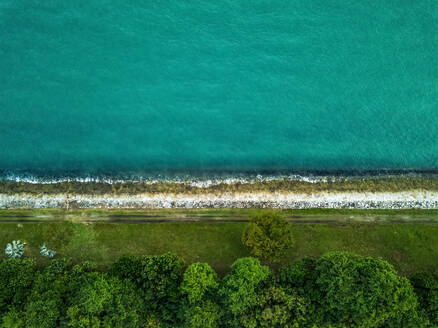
x: 15, y: 249
x: 268, y: 236
x: 47, y: 252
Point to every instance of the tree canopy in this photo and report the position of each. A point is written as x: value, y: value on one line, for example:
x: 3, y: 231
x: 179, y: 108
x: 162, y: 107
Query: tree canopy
x: 337, y: 290
x: 199, y: 307
x: 361, y: 291
x: 426, y: 287
x: 268, y: 235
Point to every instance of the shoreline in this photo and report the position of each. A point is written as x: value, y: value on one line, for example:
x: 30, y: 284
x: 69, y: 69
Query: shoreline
x: 218, y: 185
x: 417, y: 199
x: 390, y: 191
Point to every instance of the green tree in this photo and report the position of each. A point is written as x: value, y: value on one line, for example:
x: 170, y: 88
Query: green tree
x: 300, y: 278
x: 426, y: 287
x: 280, y: 308
x: 46, y: 305
x: 199, y: 308
x: 128, y: 267
x: 16, y: 279
x: 14, y: 318
x: 358, y: 291
x: 158, y: 277
x: 268, y: 235
x: 202, y: 315
x: 105, y: 302
x: 52, y: 293
x: 161, y: 279
x: 199, y: 281
x: 240, y: 290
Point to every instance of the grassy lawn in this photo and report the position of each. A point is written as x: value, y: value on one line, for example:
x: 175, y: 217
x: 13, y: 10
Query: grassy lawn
x: 410, y: 247
x: 216, y: 243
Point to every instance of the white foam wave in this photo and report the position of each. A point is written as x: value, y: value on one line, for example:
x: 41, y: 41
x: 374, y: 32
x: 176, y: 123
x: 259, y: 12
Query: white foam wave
x: 200, y: 182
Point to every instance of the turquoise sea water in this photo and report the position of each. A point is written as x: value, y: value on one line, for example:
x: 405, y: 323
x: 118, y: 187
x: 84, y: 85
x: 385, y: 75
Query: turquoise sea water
x: 118, y: 86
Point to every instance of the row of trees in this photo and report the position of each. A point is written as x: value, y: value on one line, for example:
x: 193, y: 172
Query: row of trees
x: 336, y: 290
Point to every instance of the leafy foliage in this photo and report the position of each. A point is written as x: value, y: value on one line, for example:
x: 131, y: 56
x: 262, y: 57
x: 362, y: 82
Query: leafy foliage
x: 51, y: 294
x: 199, y: 297
x: 158, y: 277
x: 240, y: 288
x: 300, y: 275
x: 52, y: 287
x: 426, y: 288
x: 16, y: 279
x: 202, y: 315
x: 128, y: 267
x: 300, y: 278
x: 268, y: 235
x: 278, y: 308
x: 161, y: 278
x: 105, y: 302
x: 338, y: 290
x: 199, y: 280
x: 361, y: 291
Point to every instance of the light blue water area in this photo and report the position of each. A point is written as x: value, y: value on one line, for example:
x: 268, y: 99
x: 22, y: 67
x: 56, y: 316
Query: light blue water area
x: 233, y: 84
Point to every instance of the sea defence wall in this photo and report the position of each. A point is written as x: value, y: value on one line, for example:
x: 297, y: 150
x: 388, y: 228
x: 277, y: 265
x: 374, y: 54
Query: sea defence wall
x: 389, y: 191
x: 387, y: 200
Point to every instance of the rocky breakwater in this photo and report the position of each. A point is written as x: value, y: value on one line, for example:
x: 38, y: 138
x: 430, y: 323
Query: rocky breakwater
x: 407, y: 199
x: 323, y: 192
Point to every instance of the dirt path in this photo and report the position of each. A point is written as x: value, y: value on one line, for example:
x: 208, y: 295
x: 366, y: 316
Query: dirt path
x: 232, y: 218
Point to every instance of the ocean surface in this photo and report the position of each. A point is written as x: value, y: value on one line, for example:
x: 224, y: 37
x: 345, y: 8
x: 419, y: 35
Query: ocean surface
x: 95, y: 87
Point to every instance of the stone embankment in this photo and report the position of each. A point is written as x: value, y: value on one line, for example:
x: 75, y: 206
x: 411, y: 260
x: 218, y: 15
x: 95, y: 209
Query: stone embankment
x: 385, y: 200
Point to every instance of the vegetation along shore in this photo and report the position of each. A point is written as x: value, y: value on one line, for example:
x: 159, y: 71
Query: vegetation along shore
x: 219, y: 268
x: 338, y: 289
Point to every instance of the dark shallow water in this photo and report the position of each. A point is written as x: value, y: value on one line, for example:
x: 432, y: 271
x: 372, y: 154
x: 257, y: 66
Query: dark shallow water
x: 134, y: 87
